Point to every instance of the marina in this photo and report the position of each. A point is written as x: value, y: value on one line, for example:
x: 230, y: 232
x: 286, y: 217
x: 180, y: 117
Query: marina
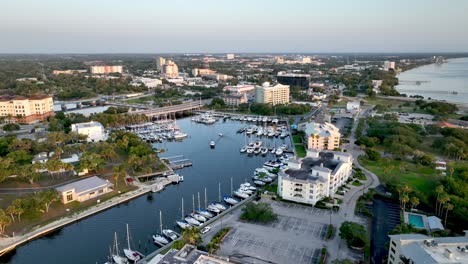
x: 142, y: 214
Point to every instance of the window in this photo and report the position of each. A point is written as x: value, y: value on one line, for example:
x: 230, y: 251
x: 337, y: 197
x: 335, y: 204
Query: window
x: 101, y: 191
x: 91, y: 193
x: 69, y: 197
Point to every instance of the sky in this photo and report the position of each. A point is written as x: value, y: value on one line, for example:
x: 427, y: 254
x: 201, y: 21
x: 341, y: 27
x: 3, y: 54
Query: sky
x: 218, y: 26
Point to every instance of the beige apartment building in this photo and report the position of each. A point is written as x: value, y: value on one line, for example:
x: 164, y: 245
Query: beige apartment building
x: 170, y: 69
x: 106, y: 69
x: 319, y: 136
x: 235, y: 99
x: 27, y: 110
x: 275, y: 95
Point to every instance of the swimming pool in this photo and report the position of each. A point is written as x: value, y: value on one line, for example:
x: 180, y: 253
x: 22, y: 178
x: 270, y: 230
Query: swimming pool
x: 416, y: 220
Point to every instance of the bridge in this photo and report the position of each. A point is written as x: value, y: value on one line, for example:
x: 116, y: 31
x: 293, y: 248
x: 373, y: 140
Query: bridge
x: 173, y: 109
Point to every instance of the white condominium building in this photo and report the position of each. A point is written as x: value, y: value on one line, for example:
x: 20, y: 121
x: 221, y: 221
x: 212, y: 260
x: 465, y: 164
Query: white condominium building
x: 321, y: 136
x: 275, y: 95
x: 94, y: 130
x: 240, y: 88
x: 314, y: 177
x: 422, y: 249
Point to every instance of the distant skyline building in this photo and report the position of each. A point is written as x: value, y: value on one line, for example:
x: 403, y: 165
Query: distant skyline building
x: 294, y: 79
x: 275, y: 95
x: 170, y: 69
x: 106, y: 69
x: 389, y: 65
x: 230, y: 56
x: 160, y: 61
x: 198, y: 72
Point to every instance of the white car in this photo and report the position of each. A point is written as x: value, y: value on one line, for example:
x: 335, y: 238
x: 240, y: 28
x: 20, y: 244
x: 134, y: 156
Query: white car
x: 205, y: 230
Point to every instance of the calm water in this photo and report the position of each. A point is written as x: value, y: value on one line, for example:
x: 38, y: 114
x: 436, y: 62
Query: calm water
x: 86, y: 111
x: 88, y: 241
x: 449, y: 76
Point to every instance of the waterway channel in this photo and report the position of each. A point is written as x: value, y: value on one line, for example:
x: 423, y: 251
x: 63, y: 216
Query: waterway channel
x: 88, y: 240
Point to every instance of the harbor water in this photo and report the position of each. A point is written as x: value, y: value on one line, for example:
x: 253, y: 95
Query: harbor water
x: 447, y: 81
x: 88, y: 240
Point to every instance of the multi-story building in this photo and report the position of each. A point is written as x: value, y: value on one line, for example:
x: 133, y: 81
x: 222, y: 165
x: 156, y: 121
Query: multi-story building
x: 170, y: 69
x: 148, y: 82
x: 106, y: 69
x: 26, y: 109
x: 199, y: 72
x: 94, y: 130
x: 230, y: 56
x: 321, y: 136
x: 240, y: 88
x: 275, y: 95
x: 422, y: 249
x: 84, y: 190
x: 389, y: 65
x: 314, y: 177
x: 160, y: 61
x: 68, y: 72
x: 294, y: 79
x: 235, y: 99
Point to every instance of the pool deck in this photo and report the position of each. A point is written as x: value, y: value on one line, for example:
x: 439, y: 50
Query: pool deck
x: 424, y: 219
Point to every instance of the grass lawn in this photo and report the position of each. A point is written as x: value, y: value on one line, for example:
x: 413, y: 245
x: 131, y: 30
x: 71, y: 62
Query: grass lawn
x: 422, y: 179
x: 297, y: 139
x: 271, y: 188
x: 300, y: 150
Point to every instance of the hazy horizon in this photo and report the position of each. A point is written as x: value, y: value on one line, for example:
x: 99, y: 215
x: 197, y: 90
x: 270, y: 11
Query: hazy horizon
x: 209, y: 26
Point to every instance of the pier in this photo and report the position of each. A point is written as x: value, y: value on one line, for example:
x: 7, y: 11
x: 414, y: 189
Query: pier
x: 426, y: 91
x: 177, y: 162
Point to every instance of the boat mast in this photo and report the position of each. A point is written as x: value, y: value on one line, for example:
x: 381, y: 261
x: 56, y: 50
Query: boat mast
x: 205, y: 198
x: 231, y: 185
x: 128, y: 238
x: 198, y: 194
x: 116, y: 244
x: 160, y: 220
x: 219, y: 192
x: 193, y: 203
x: 182, y: 208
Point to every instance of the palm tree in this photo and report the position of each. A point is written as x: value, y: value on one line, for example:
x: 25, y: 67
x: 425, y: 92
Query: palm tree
x: 191, y: 236
x: 414, y: 202
x: 448, y: 207
x: 18, y: 204
x: 11, y: 210
x: 404, y: 200
x: 439, y: 190
x: 443, y: 200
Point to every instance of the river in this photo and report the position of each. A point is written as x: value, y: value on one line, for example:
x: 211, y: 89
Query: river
x: 88, y: 240
x: 451, y: 76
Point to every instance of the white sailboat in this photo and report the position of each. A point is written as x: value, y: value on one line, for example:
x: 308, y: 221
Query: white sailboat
x: 116, y: 258
x: 132, y: 255
x: 170, y: 234
x: 159, y: 238
x: 230, y: 200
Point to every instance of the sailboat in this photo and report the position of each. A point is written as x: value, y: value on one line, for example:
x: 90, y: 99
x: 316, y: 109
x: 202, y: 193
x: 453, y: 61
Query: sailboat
x: 159, y: 238
x: 132, y: 255
x: 116, y: 258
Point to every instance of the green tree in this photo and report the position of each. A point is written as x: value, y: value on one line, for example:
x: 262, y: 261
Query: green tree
x: 260, y: 212
x: 11, y: 210
x: 5, y: 220
x: 191, y: 236
x: 354, y: 234
x: 19, y: 205
x: 46, y: 198
x: 414, y: 202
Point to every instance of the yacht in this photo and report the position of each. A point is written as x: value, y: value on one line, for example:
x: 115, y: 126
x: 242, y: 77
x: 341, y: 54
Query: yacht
x: 158, y: 239
x: 132, y: 255
x: 230, y: 200
x: 213, y: 208
x: 116, y: 258
x: 199, y: 218
x: 283, y: 135
x: 257, y: 144
x: 246, y: 190
x: 273, y: 150
x: 271, y: 134
x: 205, y: 213
x: 240, y: 194
x: 250, y: 150
x: 257, y: 151
x: 170, y: 234
x: 279, y: 151
x: 192, y: 221
x: 212, y: 144
x: 244, y: 149
x: 179, y: 135
x: 219, y: 206
x: 183, y: 224
x: 259, y: 183
x: 266, y: 179
x: 264, y: 151
x: 220, y: 134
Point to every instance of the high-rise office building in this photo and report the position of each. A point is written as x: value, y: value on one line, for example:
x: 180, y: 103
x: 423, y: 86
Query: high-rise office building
x: 266, y: 94
x: 294, y: 79
x: 160, y: 61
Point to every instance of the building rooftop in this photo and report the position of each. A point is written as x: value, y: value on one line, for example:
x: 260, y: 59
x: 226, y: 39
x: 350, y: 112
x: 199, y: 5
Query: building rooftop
x: 19, y: 97
x: 325, y: 163
x: 84, y: 185
x: 87, y: 125
x: 323, y: 130
x: 287, y: 74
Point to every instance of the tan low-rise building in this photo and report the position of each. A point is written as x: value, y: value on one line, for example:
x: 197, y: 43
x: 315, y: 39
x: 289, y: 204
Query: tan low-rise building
x: 84, y: 190
x: 319, y: 136
x: 26, y: 109
x: 235, y: 99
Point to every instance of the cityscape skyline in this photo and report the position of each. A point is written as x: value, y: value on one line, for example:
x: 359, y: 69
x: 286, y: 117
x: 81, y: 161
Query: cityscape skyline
x: 295, y: 26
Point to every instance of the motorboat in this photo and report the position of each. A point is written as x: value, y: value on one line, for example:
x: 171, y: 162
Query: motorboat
x: 158, y: 239
x: 183, y: 224
x: 179, y: 135
x: 259, y: 183
x: 266, y: 179
x: 273, y: 150
x: 279, y: 151
x: 246, y: 190
x: 264, y: 151
x: 272, y: 164
x: 244, y: 149
x: 245, y: 184
x: 199, y: 218
x: 219, y: 206
x: 271, y: 134
x: 212, y: 144
x: 250, y: 150
x: 205, y: 213
x: 283, y: 135
x: 258, y: 144
x: 192, y: 221
x: 230, y: 200
x: 220, y: 134
x: 170, y: 234
x: 240, y: 194
x: 213, y: 208
x: 257, y: 151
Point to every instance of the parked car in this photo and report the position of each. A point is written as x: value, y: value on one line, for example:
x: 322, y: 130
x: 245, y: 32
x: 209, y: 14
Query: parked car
x: 205, y: 230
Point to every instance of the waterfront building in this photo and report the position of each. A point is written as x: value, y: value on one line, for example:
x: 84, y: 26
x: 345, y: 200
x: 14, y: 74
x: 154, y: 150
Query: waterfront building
x: 68, y: 72
x: 319, y: 136
x: 230, y: 56
x: 240, y: 88
x: 160, y: 61
x: 170, y: 69
x: 389, y: 65
x: 294, y: 79
x: 93, y: 130
x: 26, y: 109
x: 235, y: 99
x: 106, y: 69
x: 84, y: 190
x: 422, y: 249
x: 275, y: 95
x: 200, y: 72
x: 314, y: 177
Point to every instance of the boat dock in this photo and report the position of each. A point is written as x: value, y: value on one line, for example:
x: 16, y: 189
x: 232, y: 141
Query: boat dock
x: 177, y: 162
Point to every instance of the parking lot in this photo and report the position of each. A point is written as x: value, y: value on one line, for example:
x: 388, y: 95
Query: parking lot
x: 296, y: 236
